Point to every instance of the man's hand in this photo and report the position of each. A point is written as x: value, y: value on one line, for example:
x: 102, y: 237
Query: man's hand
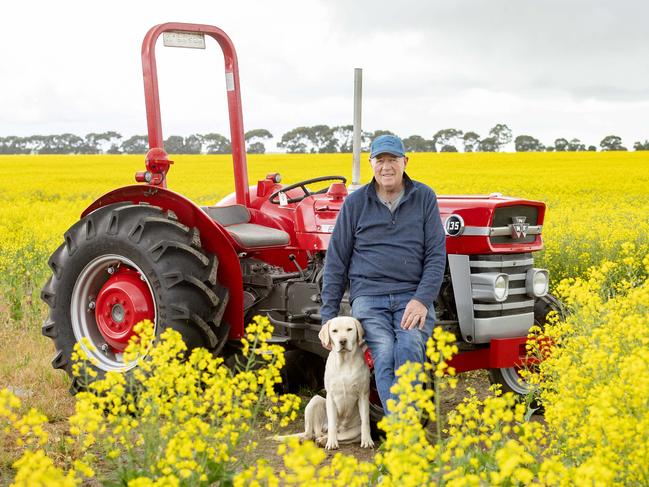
x: 414, y: 315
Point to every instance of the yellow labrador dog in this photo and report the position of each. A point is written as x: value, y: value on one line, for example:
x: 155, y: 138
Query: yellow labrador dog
x: 345, y: 414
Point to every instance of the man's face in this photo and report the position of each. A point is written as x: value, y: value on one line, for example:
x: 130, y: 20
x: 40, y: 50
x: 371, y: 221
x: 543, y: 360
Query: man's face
x: 388, y: 170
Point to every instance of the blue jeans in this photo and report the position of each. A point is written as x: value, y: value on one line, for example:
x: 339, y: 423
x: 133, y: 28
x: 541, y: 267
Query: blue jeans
x: 391, y: 346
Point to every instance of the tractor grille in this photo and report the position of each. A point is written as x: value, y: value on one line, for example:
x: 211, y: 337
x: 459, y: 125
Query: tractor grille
x: 516, y: 266
x: 503, y: 216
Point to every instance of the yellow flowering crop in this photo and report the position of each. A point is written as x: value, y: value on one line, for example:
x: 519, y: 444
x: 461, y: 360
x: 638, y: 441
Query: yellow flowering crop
x: 596, y: 201
x: 179, y: 418
x: 182, y: 418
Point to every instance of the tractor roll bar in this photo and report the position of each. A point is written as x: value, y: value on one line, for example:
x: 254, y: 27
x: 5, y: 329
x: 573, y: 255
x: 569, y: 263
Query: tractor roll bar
x: 152, y: 98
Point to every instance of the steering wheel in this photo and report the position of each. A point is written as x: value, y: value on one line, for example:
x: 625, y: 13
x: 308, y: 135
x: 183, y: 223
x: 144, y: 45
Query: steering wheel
x: 274, y: 198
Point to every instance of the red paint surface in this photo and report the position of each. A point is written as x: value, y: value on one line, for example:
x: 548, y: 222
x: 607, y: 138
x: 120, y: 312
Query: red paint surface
x: 125, y: 288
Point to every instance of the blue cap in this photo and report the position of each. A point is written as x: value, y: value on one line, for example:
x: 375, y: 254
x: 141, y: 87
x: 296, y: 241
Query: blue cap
x: 390, y: 144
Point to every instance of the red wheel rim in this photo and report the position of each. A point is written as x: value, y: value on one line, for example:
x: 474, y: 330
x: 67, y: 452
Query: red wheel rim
x: 123, y: 301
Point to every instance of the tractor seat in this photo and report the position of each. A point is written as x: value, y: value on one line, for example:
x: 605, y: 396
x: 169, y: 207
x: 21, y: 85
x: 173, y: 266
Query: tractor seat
x: 236, y: 220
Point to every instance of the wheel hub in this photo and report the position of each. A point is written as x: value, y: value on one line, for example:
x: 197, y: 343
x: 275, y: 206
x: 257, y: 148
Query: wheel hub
x: 123, y: 301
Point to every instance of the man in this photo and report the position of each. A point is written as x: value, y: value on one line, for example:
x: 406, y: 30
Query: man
x: 389, y: 244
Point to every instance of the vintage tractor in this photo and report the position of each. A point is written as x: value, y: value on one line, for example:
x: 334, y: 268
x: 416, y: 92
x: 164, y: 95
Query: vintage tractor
x: 144, y: 251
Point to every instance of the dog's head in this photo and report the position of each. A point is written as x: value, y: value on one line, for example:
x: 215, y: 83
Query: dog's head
x: 341, y: 334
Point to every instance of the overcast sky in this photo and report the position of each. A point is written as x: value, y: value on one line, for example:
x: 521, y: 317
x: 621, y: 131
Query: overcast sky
x: 546, y: 68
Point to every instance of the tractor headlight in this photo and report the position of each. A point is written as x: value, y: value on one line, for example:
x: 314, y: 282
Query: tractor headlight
x: 536, y: 282
x: 490, y: 286
x: 501, y: 287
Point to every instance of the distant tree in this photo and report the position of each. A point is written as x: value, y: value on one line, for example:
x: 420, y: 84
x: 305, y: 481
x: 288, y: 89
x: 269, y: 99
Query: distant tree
x: 193, y: 144
x: 175, y: 144
x: 96, y: 143
x: 376, y: 133
x: 446, y: 137
x: 490, y: 144
x: 91, y: 143
x: 448, y: 148
x: 114, y: 149
x: 561, y: 144
x: 592, y: 148
x: 549, y: 148
x: 315, y: 139
x: 15, y: 145
x: 527, y: 143
x: 217, y: 144
x: 61, y: 144
x: 136, y: 144
x: 502, y: 134
x: 343, y: 136
x: 255, y: 140
x: 112, y: 140
x: 416, y: 143
x: 296, y: 141
x: 471, y: 142
x: 641, y: 145
x: 612, y: 142
x: 322, y: 138
x: 366, y: 138
x: 575, y: 145
x: 31, y: 144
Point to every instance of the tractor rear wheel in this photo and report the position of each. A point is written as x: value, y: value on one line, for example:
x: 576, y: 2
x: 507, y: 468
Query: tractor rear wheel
x: 124, y: 263
x: 509, y: 378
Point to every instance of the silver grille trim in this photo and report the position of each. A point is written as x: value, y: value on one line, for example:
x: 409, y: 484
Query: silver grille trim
x: 503, y: 306
x: 517, y: 290
x: 507, y: 231
x: 482, y: 321
x: 498, y: 231
x: 517, y: 277
x: 504, y: 263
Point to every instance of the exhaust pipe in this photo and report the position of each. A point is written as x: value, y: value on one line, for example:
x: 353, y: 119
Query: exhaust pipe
x: 356, y: 155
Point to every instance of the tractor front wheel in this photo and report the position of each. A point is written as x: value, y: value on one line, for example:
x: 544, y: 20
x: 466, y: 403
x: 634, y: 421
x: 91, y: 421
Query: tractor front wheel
x: 510, y: 378
x: 119, y: 265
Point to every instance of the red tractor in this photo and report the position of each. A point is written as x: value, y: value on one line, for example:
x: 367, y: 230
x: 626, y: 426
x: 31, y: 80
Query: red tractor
x: 143, y: 251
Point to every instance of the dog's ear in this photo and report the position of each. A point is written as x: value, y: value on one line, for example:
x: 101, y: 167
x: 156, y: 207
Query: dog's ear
x: 324, y: 337
x: 360, y: 333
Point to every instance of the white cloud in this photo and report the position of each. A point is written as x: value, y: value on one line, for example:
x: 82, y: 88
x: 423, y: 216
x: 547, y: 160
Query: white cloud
x: 547, y: 68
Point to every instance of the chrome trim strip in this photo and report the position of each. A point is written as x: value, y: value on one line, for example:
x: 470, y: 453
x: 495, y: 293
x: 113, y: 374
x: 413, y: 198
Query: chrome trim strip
x: 507, y: 231
x: 503, y: 306
x: 474, y: 231
x: 504, y: 263
x: 461, y: 279
x: 517, y: 277
x: 517, y: 290
x: 477, y: 231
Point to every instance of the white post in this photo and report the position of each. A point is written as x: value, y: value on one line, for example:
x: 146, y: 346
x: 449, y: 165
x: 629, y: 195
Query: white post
x: 356, y: 156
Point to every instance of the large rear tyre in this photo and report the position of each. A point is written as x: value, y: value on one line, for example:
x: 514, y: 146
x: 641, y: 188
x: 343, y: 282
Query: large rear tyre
x: 509, y: 378
x: 121, y: 264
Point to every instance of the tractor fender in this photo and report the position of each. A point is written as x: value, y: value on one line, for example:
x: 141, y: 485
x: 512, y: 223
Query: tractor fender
x: 214, y: 239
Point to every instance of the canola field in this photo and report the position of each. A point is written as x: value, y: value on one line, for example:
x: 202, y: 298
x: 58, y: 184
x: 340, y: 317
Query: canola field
x: 596, y: 202
x: 193, y: 422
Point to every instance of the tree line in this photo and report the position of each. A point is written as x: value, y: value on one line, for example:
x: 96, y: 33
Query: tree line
x: 301, y: 140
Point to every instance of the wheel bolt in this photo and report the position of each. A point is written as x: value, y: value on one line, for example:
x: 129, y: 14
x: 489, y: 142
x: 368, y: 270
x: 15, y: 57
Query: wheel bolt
x: 111, y: 270
x: 91, y: 305
x: 104, y: 348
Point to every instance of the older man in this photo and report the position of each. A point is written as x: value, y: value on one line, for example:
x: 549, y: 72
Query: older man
x: 389, y: 244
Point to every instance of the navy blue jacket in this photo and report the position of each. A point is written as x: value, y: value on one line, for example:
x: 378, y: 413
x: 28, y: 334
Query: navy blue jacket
x: 379, y: 252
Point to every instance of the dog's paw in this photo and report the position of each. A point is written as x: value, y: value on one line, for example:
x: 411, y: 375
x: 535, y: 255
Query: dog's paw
x: 321, y: 441
x: 367, y: 443
x: 331, y: 444
x: 305, y: 437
